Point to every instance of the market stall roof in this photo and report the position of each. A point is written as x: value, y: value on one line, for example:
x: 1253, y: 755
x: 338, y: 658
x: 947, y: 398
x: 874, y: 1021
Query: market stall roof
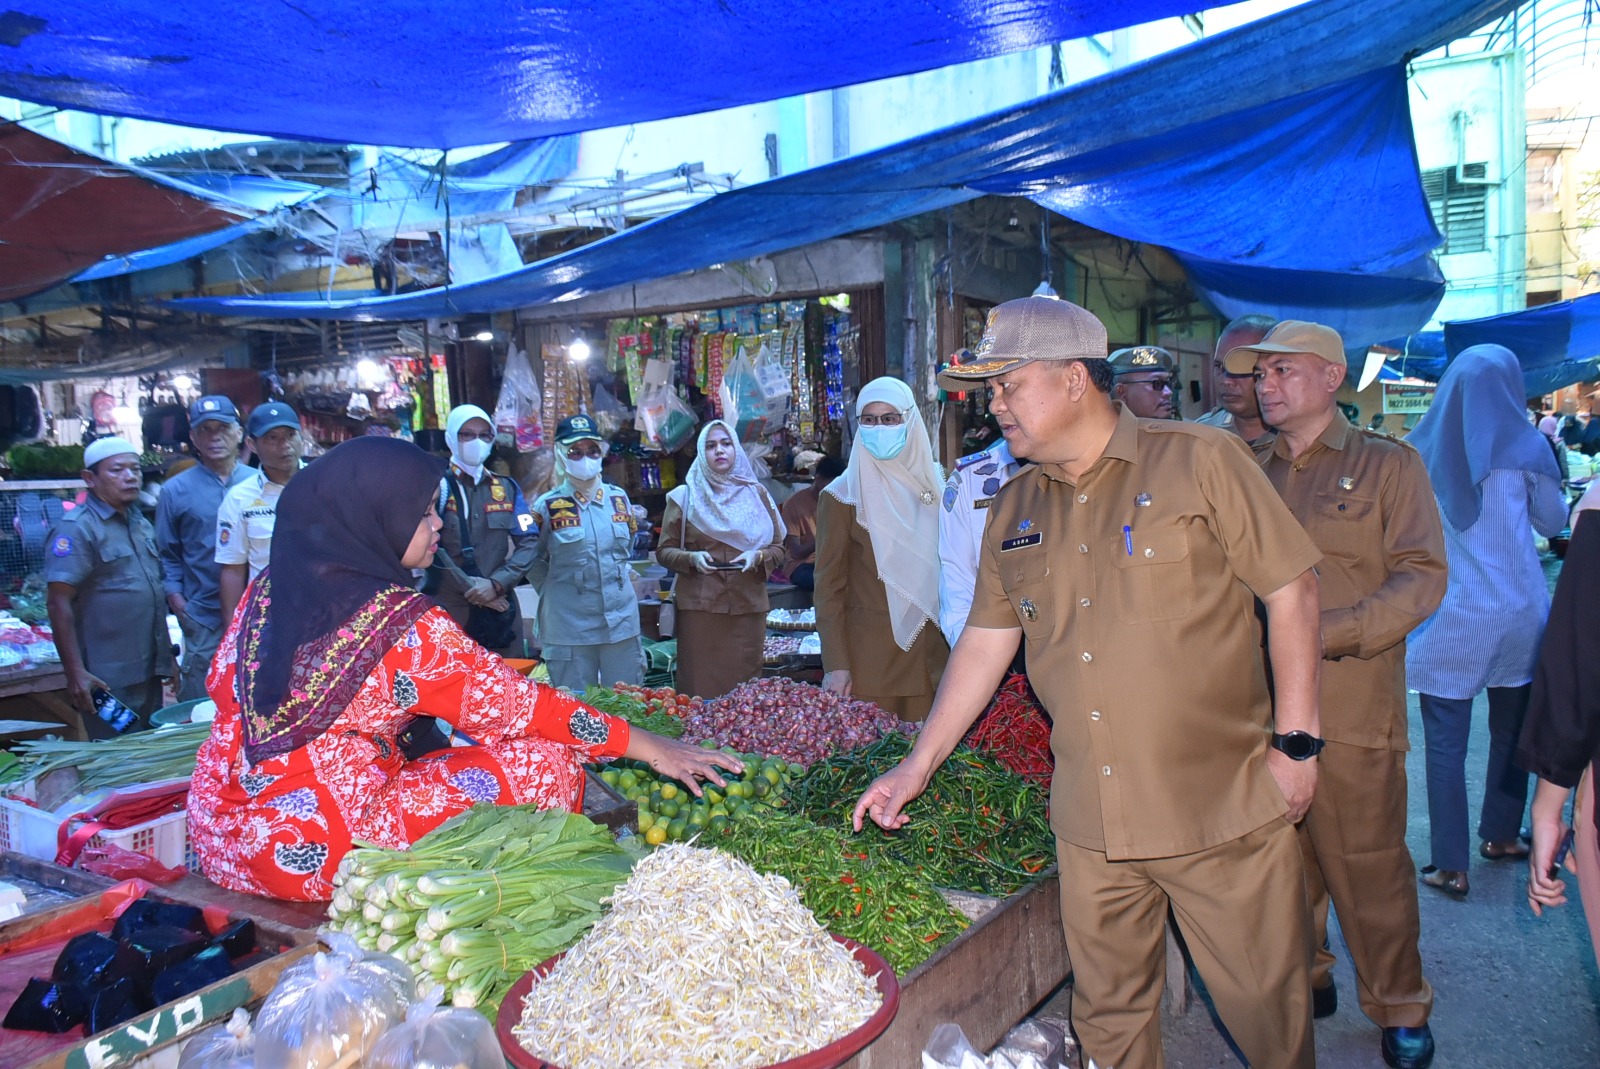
x: 1293, y: 130
x: 426, y: 74
x: 62, y: 210
x: 1557, y: 344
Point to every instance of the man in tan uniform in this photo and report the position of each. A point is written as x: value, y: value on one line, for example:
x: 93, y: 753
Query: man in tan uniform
x: 1133, y: 545
x: 1366, y: 500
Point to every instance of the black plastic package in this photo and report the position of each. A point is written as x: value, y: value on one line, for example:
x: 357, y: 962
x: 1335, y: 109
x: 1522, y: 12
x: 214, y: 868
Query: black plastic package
x: 46, y: 1006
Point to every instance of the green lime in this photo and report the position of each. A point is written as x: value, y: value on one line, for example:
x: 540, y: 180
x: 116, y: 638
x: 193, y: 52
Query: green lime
x: 609, y: 777
x: 677, y: 830
x: 718, y: 824
x: 669, y: 791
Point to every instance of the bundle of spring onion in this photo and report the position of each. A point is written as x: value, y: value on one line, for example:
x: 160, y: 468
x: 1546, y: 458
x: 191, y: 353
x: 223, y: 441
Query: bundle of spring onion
x: 482, y: 898
x: 138, y: 757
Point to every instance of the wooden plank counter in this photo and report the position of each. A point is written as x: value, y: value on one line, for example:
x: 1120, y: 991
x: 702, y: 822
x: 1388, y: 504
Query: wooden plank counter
x: 986, y: 980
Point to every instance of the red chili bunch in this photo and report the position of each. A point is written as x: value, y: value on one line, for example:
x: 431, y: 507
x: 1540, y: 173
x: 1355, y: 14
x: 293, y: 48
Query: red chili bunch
x: 1015, y: 730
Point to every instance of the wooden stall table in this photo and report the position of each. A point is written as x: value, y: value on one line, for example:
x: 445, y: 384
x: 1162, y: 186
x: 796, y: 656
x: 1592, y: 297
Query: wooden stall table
x: 27, y: 693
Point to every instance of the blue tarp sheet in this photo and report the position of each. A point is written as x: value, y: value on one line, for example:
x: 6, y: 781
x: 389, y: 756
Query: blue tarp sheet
x: 1342, y: 52
x: 1557, y: 344
x: 425, y: 73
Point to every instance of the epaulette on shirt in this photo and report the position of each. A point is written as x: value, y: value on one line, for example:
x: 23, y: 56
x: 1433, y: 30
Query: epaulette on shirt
x: 968, y: 461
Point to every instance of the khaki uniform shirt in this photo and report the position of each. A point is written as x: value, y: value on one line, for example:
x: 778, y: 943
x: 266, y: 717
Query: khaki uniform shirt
x: 732, y: 592
x: 1135, y: 587
x: 1366, y: 500
x: 118, y: 604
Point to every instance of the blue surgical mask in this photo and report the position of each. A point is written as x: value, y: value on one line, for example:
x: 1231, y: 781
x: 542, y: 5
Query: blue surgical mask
x: 884, y: 443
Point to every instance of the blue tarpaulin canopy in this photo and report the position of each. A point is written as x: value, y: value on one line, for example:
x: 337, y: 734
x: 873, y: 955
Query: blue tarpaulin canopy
x: 1217, y: 130
x: 422, y: 73
x: 1557, y: 344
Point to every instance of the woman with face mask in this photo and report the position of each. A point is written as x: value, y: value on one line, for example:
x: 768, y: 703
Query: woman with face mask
x: 488, y: 540
x: 588, y: 613
x: 877, y: 571
x: 722, y: 535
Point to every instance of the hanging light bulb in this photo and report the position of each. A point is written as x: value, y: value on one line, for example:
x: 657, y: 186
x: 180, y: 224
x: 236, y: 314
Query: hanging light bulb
x: 484, y: 335
x: 124, y: 413
x: 181, y: 381
x: 578, y: 351
x: 370, y: 373
x: 1044, y: 289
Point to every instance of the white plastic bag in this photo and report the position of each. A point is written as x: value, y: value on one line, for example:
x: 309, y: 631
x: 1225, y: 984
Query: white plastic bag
x: 760, y: 390
x: 517, y: 411
x: 432, y: 1037
x: 226, y: 1046
x: 667, y: 423
x: 327, y: 1012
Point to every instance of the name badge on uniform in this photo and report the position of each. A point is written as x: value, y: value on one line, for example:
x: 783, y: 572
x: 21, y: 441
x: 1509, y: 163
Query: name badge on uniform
x: 983, y: 502
x: 563, y: 517
x: 497, y: 506
x: 1022, y: 542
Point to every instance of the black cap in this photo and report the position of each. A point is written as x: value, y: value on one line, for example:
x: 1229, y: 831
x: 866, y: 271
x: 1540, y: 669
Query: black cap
x: 576, y: 429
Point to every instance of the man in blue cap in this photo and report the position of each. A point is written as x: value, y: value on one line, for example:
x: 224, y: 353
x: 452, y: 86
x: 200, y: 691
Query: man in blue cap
x: 186, y: 535
x: 249, y: 510
x: 588, y: 613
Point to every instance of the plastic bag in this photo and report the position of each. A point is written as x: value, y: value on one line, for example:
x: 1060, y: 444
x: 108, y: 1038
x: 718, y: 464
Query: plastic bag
x: 758, y: 452
x: 760, y: 391
x: 327, y: 1011
x: 227, y: 1046
x: 610, y: 414
x: 517, y: 412
x: 438, y: 1038
x: 667, y: 422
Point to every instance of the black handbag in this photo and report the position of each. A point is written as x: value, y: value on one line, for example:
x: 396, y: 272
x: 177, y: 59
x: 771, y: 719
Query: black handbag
x: 486, y: 627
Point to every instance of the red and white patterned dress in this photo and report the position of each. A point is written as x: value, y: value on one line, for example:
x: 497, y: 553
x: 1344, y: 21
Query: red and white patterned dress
x: 280, y: 827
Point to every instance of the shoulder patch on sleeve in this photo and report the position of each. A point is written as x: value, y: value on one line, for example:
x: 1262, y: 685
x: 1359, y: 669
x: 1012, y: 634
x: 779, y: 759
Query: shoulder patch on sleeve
x: 61, y: 547
x: 950, y: 492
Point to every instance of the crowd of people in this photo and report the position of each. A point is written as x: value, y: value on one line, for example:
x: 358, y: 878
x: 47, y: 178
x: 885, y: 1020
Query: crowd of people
x: 1307, y: 569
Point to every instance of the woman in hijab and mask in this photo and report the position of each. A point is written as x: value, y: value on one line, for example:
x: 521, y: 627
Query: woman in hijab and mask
x: 488, y: 539
x: 877, y: 570
x: 722, y: 534
x: 1494, y: 476
x: 329, y: 658
x: 588, y: 612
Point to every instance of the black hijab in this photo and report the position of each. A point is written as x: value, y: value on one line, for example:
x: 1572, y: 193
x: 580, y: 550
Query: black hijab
x: 335, y: 596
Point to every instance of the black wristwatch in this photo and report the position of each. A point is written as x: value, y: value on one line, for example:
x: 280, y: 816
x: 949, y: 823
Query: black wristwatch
x: 1297, y: 745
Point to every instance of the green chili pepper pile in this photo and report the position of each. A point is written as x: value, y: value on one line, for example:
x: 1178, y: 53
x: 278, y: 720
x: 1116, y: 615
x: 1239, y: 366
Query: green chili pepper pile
x: 854, y: 889
x: 978, y: 827
x: 636, y: 711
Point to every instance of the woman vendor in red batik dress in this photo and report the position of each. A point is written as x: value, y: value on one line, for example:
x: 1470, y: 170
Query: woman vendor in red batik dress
x: 333, y: 654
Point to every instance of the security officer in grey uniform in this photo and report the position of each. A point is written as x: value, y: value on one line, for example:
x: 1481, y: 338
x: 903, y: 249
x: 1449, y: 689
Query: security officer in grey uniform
x: 1145, y: 377
x: 967, y: 496
x: 588, y: 613
x: 105, y: 596
x: 488, y: 539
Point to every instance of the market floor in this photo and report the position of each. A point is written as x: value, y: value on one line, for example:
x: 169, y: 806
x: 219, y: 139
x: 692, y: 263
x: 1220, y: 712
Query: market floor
x: 1511, y: 991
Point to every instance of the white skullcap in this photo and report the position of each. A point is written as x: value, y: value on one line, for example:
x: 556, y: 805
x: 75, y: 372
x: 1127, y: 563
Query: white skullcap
x: 101, y: 448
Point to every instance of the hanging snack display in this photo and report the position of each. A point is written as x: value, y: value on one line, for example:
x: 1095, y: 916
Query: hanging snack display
x: 566, y: 387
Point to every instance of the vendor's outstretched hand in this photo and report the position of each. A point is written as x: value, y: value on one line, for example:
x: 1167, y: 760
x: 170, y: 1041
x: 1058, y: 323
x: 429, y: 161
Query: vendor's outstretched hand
x: 889, y: 794
x: 680, y: 761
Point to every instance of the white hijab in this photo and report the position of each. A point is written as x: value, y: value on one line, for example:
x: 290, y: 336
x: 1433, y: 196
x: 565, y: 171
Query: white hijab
x: 731, y: 508
x: 458, y: 418
x: 897, y: 504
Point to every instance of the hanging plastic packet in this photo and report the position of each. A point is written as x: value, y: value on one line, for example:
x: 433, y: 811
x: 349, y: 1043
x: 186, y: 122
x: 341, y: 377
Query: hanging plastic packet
x: 328, y: 1011
x: 435, y: 1037
x: 227, y: 1046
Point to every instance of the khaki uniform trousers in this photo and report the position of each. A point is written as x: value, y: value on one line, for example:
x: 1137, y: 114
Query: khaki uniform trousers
x: 1243, y: 912
x: 1354, y: 842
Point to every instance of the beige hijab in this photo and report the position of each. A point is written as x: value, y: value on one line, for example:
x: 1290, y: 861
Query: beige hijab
x: 897, y: 504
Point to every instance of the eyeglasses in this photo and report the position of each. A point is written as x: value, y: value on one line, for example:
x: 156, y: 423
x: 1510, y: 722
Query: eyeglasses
x: 467, y: 436
x: 1165, y: 382
x: 892, y: 419
x: 585, y: 449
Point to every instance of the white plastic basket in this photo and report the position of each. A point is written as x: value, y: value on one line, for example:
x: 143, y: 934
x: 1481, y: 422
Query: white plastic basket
x: 32, y: 832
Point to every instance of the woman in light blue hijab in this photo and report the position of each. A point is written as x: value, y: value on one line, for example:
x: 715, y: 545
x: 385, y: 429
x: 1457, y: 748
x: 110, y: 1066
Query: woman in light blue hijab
x: 1496, y: 482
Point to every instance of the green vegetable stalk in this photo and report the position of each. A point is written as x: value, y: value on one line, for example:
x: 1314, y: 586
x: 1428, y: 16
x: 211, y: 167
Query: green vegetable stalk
x: 482, y: 898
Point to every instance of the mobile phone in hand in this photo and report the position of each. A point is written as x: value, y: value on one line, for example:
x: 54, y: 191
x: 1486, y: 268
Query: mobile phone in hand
x: 1561, y: 855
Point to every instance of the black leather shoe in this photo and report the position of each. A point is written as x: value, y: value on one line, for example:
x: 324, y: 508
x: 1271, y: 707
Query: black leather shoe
x: 1324, y: 1001
x: 1408, y: 1048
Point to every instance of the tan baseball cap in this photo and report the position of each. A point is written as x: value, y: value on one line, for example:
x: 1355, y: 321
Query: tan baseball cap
x: 1026, y: 331
x: 1290, y: 336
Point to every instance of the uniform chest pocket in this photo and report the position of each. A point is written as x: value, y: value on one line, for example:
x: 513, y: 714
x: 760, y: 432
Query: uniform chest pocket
x: 1025, y: 577
x: 1341, y: 523
x: 501, y: 520
x: 1156, y: 580
x: 567, y: 535
x: 118, y: 570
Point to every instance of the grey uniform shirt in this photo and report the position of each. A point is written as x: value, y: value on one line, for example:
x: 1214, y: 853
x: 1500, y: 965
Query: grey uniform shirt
x: 580, y: 567
x: 119, y: 607
x: 504, y: 537
x: 186, y: 538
